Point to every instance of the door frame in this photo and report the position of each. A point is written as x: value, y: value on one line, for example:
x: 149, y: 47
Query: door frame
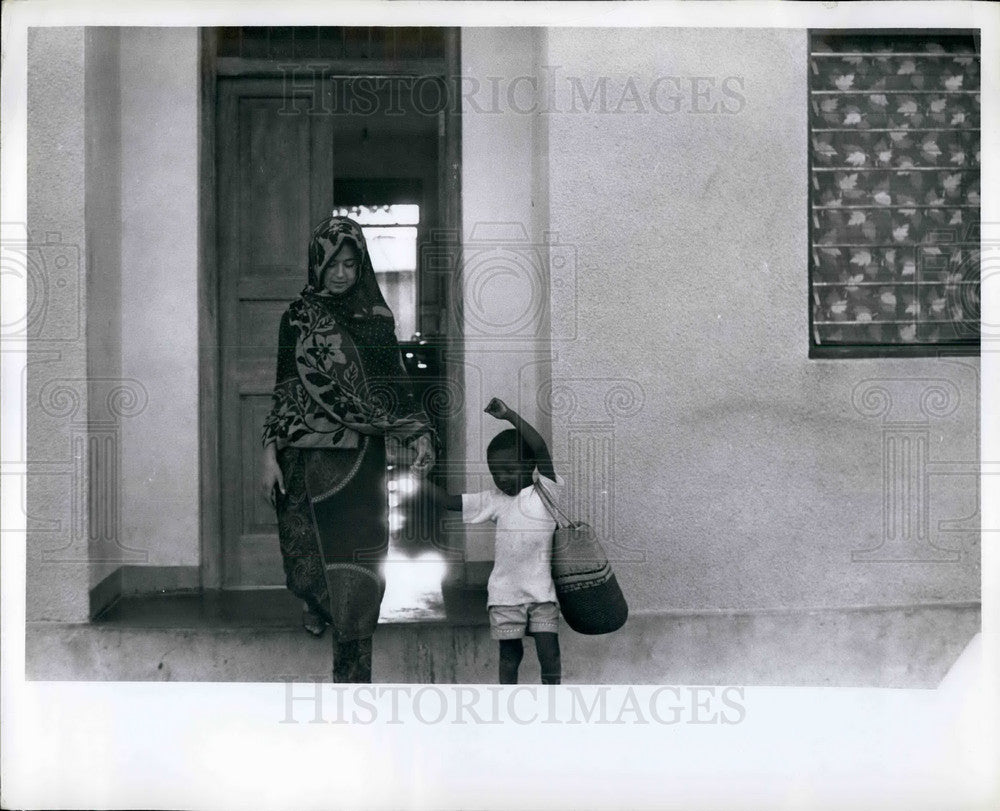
x: 209, y: 359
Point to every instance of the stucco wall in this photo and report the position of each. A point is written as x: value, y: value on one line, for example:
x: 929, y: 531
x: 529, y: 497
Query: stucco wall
x: 57, y: 554
x: 112, y: 380
x: 104, y: 281
x: 731, y: 470
x: 726, y: 469
x: 159, y: 114
x: 504, y: 268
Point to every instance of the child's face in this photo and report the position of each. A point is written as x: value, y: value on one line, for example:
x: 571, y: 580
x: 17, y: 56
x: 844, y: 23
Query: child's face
x: 510, y: 474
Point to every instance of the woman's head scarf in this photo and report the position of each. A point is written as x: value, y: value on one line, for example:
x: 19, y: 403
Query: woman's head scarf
x: 363, y: 298
x: 346, y: 351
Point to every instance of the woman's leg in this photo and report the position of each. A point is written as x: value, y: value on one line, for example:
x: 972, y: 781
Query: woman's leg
x: 352, y: 661
x: 511, y: 653
x: 350, y: 518
x: 300, y: 552
x: 547, y: 647
x: 312, y: 620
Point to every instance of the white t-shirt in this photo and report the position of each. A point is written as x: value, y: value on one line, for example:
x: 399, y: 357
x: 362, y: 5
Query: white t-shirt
x: 522, y: 570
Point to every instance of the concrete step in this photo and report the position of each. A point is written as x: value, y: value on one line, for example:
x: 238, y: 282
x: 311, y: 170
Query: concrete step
x: 196, y: 638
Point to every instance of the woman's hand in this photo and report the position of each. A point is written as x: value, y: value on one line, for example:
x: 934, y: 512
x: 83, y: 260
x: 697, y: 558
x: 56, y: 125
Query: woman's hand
x: 424, y: 447
x: 271, y: 474
x: 497, y: 408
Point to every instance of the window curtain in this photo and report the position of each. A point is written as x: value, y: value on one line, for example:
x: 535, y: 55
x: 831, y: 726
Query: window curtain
x: 894, y: 190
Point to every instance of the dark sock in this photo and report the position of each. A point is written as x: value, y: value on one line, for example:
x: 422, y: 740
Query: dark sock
x: 511, y: 653
x: 549, y: 660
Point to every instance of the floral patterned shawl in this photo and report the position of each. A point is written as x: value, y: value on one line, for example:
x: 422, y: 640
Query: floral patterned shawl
x: 340, y: 373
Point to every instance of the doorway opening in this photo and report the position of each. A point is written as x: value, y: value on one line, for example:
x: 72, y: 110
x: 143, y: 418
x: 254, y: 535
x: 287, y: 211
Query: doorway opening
x: 298, y: 123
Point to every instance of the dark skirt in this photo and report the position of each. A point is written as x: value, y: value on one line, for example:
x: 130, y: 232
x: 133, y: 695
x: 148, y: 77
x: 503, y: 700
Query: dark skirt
x: 334, y: 533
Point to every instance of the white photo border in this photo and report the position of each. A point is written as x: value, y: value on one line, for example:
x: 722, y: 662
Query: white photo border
x: 206, y: 745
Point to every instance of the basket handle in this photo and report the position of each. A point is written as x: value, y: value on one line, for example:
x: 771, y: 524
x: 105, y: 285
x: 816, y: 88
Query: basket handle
x: 552, y: 507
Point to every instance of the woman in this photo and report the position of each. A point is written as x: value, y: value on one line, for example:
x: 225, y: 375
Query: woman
x: 340, y: 391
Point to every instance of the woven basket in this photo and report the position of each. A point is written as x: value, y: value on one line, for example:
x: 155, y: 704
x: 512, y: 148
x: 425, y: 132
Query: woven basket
x: 589, y: 596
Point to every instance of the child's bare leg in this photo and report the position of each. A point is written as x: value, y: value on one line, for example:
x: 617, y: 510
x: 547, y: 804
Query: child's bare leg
x: 547, y: 647
x: 511, y: 653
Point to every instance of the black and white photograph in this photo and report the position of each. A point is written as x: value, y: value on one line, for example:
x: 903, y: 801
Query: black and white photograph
x: 538, y: 385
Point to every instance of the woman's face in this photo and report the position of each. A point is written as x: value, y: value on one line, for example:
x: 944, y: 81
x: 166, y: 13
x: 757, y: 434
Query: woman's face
x: 341, y: 271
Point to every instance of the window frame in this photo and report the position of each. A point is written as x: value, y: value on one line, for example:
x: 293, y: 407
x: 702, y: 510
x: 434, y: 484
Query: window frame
x: 879, y: 350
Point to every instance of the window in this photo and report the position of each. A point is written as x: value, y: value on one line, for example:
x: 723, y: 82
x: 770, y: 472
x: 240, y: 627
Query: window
x: 311, y: 42
x: 391, y: 212
x: 894, y: 156
x: 391, y: 234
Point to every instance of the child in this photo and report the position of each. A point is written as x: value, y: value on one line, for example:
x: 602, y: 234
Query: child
x: 521, y: 594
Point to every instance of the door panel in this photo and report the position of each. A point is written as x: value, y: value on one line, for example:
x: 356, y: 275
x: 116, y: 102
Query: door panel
x: 257, y: 322
x: 276, y: 181
x: 275, y: 190
x: 259, y: 557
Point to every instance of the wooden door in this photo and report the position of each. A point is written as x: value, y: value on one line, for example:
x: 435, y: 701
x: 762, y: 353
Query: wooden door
x: 275, y: 182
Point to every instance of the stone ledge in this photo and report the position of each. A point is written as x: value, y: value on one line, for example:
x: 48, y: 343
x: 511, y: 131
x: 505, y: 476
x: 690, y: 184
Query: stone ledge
x: 910, y: 647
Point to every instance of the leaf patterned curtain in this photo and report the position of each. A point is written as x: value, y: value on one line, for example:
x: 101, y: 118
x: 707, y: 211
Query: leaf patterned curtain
x: 894, y: 154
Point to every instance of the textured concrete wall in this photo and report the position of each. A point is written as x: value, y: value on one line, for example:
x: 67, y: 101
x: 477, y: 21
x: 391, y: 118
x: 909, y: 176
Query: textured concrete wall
x: 159, y: 113
x: 112, y: 388
x: 911, y: 648
x: 104, y: 282
x: 504, y: 274
x: 57, y: 553
x: 732, y: 471
x: 726, y: 469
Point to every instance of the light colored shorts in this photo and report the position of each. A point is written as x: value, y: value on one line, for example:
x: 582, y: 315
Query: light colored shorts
x: 510, y: 621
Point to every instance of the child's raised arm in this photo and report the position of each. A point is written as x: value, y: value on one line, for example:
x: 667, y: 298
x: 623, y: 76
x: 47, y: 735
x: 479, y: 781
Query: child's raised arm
x: 543, y: 459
